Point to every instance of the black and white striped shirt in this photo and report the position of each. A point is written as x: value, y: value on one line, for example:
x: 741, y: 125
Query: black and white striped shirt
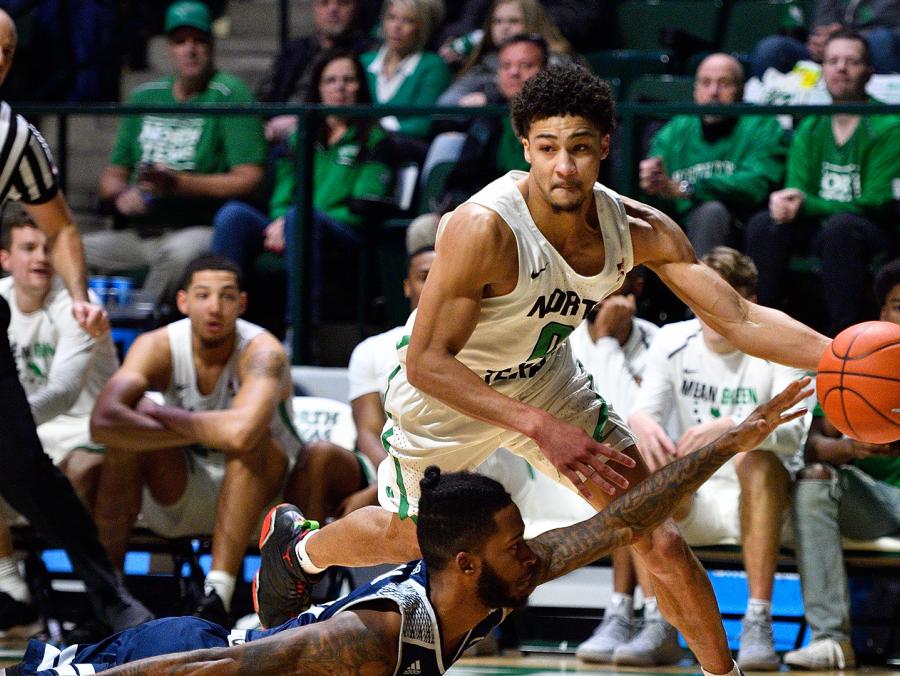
x: 27, y: 172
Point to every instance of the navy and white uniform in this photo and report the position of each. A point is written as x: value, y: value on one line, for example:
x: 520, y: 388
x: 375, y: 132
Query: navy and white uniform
x: 419, y: 652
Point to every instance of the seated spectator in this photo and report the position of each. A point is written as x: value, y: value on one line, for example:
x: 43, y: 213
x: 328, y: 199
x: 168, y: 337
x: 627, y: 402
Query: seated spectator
x: 612, y: 345
x: 216, y: 453
x: 400, y: 72
x: 712, y: 172
x: 491, y: 147
x: 698, y: 377
x: 477, y: 82
x: 848, y: 488
x: 169, y: 173
x: 334, y: 25
x: 350, y: 170
x: 878, y: 21
x: 62, y: 370
x: 332, y: 481
x: 838, y: 200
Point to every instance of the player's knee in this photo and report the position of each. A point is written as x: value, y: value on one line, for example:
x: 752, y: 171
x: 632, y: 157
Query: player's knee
x: 758, y: 468
x: 663, y: 546
x: 815, y: 472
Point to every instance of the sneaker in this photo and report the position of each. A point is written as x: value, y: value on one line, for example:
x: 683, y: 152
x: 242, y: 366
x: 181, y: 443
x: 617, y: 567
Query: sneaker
x: 823, y: 653
x: 613, y: 631
x: 654, y: 645
x: 15, y: 614
x: 281, y: 590
x: 212, y: 608
x: 757, y: 651
x: 127, y: 611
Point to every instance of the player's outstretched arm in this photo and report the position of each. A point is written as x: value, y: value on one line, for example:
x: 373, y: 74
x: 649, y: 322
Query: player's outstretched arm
x: 362, y: 641
x: 264, y: 372
x: 650, y: 502
x: 757, y: 330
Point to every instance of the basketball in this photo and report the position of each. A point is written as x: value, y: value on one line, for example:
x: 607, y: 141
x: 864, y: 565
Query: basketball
x: 858, y: 382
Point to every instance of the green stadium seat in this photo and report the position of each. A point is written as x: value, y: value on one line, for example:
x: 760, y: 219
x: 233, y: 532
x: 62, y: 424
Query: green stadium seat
x: 642, y: 20
x: 749, y: 21
x: 621, y: 66
x: 662, y: 88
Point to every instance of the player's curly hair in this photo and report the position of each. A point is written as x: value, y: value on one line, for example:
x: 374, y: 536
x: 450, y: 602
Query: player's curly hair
x: 566, y: 89
x: 456, y: 513
x: 887, y: 278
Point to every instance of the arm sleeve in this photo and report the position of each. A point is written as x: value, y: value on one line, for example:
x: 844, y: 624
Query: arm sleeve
x: 34, y: 180
x: 123, y: 152
x: 655, y: 395
x: 788, y: 439
x: 242, y: 135
x: 68, y: 369
x: 477, y: 79
x: 755, y: 175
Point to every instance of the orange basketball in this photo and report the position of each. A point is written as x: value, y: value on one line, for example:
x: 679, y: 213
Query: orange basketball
x: 858, y: 382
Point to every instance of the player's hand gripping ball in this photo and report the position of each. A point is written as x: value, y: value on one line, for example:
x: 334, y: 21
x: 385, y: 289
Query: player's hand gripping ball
x: 858, y: 382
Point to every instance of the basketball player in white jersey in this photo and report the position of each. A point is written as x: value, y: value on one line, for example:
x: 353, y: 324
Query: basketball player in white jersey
x: 217, y: 451
x: 518, y: 266
x: 62, y: 370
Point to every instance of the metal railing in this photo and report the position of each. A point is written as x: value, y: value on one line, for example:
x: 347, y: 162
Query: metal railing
x: 310, y: 116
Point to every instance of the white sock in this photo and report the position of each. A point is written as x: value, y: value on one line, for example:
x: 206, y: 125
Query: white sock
x: 735, y: 671
x: 621, y: 604
x: 222, y: 583
x: 305, y: 563
x: 651, y: 610
x: 11, y: 581
x: 759, y: 609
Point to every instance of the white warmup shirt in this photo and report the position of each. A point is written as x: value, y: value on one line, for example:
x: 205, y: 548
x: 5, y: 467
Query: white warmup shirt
x: 372, y: 361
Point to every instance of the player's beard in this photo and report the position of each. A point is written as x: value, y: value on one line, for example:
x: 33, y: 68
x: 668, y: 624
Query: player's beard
x: 494, y: 592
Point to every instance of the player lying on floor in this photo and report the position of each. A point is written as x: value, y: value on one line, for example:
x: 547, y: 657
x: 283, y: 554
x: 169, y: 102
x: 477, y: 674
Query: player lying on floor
x: 477, y: 567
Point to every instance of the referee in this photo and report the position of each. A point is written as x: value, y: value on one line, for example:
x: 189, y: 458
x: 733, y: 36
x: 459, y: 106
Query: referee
x: 28, y: 479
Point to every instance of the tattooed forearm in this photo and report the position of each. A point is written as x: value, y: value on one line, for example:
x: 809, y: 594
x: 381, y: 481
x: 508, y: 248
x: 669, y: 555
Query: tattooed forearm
x: 340, y: 645
x: 641, y: 508
x: 268, y: 364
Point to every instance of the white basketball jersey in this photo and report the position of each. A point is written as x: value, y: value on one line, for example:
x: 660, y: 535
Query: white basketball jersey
x: 184, y: 393
x: 517, y: 332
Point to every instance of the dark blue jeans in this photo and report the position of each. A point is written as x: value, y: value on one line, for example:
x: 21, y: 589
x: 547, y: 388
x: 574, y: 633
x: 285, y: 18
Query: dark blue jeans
x: 238, y: 234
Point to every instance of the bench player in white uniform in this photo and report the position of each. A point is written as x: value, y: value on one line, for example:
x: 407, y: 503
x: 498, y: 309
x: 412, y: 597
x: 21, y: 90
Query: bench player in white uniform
x: 62, y: 370
x: 704, y: 385
x: 517, y: 268
x: 217, y: 452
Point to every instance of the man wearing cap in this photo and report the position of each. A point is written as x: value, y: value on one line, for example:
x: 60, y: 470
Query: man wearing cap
x: 169, y: 173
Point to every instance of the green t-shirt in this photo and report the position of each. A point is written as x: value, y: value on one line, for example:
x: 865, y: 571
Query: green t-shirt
x: 740, y: 169
x: 196, y: 143
x: 856, y: 177
x: 341, y: 173
x: 509, y: 150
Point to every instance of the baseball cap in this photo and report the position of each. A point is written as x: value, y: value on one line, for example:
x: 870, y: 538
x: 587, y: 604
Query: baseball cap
x: 188, y: 13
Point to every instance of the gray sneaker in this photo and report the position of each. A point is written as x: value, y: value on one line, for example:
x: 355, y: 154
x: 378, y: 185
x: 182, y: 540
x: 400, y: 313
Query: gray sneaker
x: 757, y: 651
x: 655, y: 644
x: 824, y: 653
x: 613, y: 631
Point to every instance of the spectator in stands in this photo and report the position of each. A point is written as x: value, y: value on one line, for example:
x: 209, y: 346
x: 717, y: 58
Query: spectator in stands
x: 351, y: 170
x: 335, y: 25
x: 330, y: 480
x: 61, y: 369
x: 491, y: 147
x: 878, y: 21
x: 712, y: 171
x: 612, y: 345
x: 698, y: 377
x: 477, y: 82
x: 216, y: 452
x: 169, y: 173
x: 401, y: 72
x: 838, y: 200
x: 848, y: 488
